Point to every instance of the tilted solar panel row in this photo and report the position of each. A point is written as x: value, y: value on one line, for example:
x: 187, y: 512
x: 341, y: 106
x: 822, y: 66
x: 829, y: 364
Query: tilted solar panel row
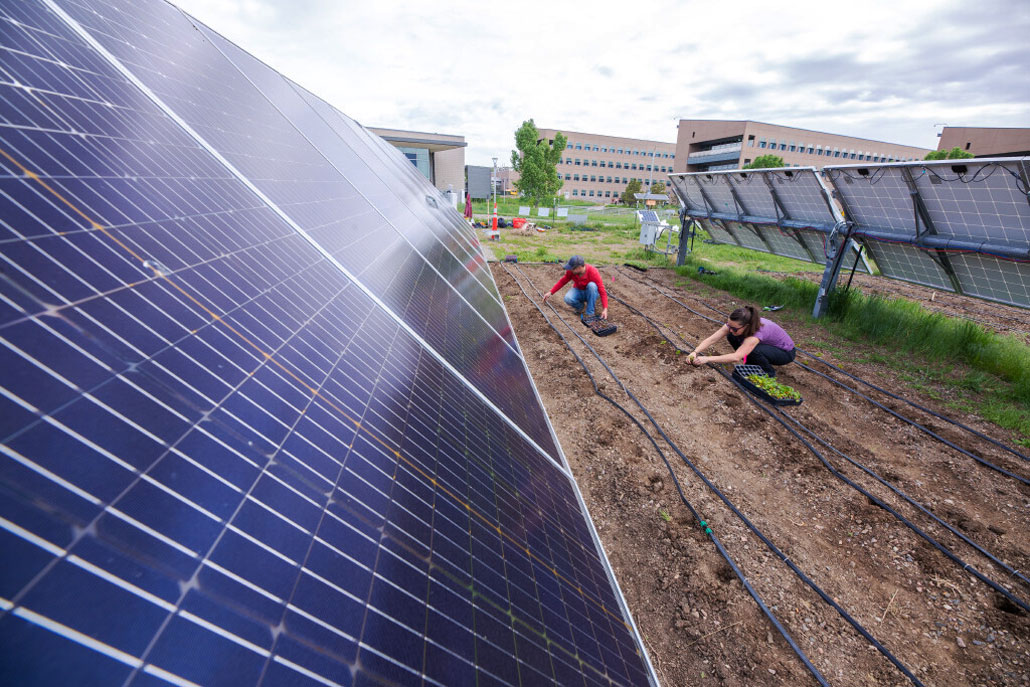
x: 263, y: 417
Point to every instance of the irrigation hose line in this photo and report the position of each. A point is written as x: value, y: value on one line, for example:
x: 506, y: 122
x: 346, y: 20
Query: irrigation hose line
x: 912, y: 502
x: 780, y: 414
x: 880, y: 405
x: 697, y: 516
x: 772, y: 547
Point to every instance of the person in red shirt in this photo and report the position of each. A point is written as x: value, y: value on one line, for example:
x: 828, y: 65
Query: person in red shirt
x: 586, y: 287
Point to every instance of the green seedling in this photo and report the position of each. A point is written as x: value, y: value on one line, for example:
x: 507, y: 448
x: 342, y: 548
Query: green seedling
x: 664, y: 514
x: 774, y: 388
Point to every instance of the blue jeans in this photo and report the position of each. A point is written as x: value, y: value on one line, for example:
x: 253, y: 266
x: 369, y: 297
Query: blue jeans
x: 577, y: 297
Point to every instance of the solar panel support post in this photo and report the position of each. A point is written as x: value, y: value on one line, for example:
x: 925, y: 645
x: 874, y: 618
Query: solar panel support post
x: 833, y: 266
x: 681, y: 254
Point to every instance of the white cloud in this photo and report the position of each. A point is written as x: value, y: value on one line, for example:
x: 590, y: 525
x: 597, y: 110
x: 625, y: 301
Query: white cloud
x: 879, y: 69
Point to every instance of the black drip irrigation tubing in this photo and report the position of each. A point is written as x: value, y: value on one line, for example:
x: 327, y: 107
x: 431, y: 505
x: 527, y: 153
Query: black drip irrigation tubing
x: 743, y: 518
x: 927, y: 430
x: 780, y: 414
x: 697, y: 516
x: 983, y: 436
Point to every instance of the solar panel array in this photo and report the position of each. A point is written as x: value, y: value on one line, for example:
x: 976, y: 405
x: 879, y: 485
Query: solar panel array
x: 786, y: 212
x: 264, y: 417
x: 957, y: 225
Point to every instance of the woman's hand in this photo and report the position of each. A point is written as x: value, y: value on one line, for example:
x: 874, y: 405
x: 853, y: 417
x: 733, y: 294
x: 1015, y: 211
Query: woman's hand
x: 697, y: 360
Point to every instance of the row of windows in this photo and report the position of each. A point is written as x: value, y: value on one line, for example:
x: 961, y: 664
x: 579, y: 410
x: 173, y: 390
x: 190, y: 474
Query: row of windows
x: 584, y: 193
x: 612, y: 149
x: 619, y: 165
x: 601, y: 179
x: 792, y: 146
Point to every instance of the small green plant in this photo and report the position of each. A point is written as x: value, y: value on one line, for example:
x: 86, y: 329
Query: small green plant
x: 774, y: 388
x: 664, y: 514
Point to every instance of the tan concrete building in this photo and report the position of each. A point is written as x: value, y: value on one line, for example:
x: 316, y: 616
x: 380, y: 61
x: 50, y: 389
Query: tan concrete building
x: 440, y: 157
x: 706, y: 144
x: 597, y: 167
x: 986, y: 141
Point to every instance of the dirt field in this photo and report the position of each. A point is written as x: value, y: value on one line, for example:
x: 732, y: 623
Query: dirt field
x: 700, y: 625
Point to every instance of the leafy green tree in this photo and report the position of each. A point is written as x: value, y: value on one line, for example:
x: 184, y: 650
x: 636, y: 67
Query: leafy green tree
x: 535, y: 161
x: 632, y: 187
x: 766, y: 162
x: 955, y: 153
x: 657, y: 187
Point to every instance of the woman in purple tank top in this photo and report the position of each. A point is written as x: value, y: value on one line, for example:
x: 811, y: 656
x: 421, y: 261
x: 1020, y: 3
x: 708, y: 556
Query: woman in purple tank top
x: 755, y: 341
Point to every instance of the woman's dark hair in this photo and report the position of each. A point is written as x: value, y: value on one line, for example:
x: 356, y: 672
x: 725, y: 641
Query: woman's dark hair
x: 749, y: 317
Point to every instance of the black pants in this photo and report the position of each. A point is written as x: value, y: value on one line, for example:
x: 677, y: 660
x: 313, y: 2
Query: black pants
x: 764, y: 355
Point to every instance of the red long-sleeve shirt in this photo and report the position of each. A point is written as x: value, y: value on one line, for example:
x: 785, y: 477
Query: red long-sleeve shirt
x: 590, y: 274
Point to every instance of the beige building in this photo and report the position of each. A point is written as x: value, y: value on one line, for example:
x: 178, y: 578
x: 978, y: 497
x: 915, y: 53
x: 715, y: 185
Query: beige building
x: 440, y: 157
x: 986, y: 141
x: 706, y: 144
x: 597, y: 167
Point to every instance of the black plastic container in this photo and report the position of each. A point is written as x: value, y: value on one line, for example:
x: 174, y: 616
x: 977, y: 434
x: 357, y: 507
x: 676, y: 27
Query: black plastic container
x: 741, y: 374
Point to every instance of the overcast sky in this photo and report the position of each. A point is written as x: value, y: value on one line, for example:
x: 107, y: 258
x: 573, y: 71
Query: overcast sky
x: 884, y: 70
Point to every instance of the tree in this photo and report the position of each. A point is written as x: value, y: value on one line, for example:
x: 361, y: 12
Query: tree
x: 766, y: 162
x: 955, y: 153
x: 535, y: 161
x: 657, y: 187
x: 632, y: 187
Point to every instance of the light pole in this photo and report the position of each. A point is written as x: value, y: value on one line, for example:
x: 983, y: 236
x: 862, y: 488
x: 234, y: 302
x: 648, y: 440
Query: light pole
x: 493, y: 180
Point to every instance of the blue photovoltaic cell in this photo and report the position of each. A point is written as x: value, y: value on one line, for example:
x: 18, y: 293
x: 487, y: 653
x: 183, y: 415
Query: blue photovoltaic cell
x: 223, y: 461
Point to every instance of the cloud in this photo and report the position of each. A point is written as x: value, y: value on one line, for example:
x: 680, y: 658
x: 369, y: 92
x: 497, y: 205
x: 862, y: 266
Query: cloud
x: 881, y: 69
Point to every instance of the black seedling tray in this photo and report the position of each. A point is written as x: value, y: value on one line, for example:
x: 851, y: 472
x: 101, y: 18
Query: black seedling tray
x: 599, y: 326
x: 741, y: 373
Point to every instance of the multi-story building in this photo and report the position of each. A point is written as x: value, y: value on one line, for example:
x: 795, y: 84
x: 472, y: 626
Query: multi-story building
x: 986, y: 141
x: 440, y: 157
x: 598, y: 167
x: 706, y: 144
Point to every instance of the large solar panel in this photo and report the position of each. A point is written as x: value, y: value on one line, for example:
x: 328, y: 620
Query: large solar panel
x: 782, y: 211
x: 958, y: 225
x: 263, y: 416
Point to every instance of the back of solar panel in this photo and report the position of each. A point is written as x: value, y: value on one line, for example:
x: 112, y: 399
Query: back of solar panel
x: 263, y: 415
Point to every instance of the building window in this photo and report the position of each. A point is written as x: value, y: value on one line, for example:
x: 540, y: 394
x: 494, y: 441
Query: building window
x: 575, y: 192
x: 761, y: 143
x: 568, y: 146
x: 783, y: 146
x: 607, y: 194
x: 577, y: 160
x: 618, y: 165
x: 747, y: 161
x: 568, y: 160
x: 593, y: 177
x: 610, y: 163
x: 609, y: 180
x: 591, y: 193
x: 593, y: 163
x: 575, y: 177
x: 619, y: 151
x: 420, y: 158
x: 792, y: 148
x: 836, y: 153
x: 579, y: 146
x: 810, y: 150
